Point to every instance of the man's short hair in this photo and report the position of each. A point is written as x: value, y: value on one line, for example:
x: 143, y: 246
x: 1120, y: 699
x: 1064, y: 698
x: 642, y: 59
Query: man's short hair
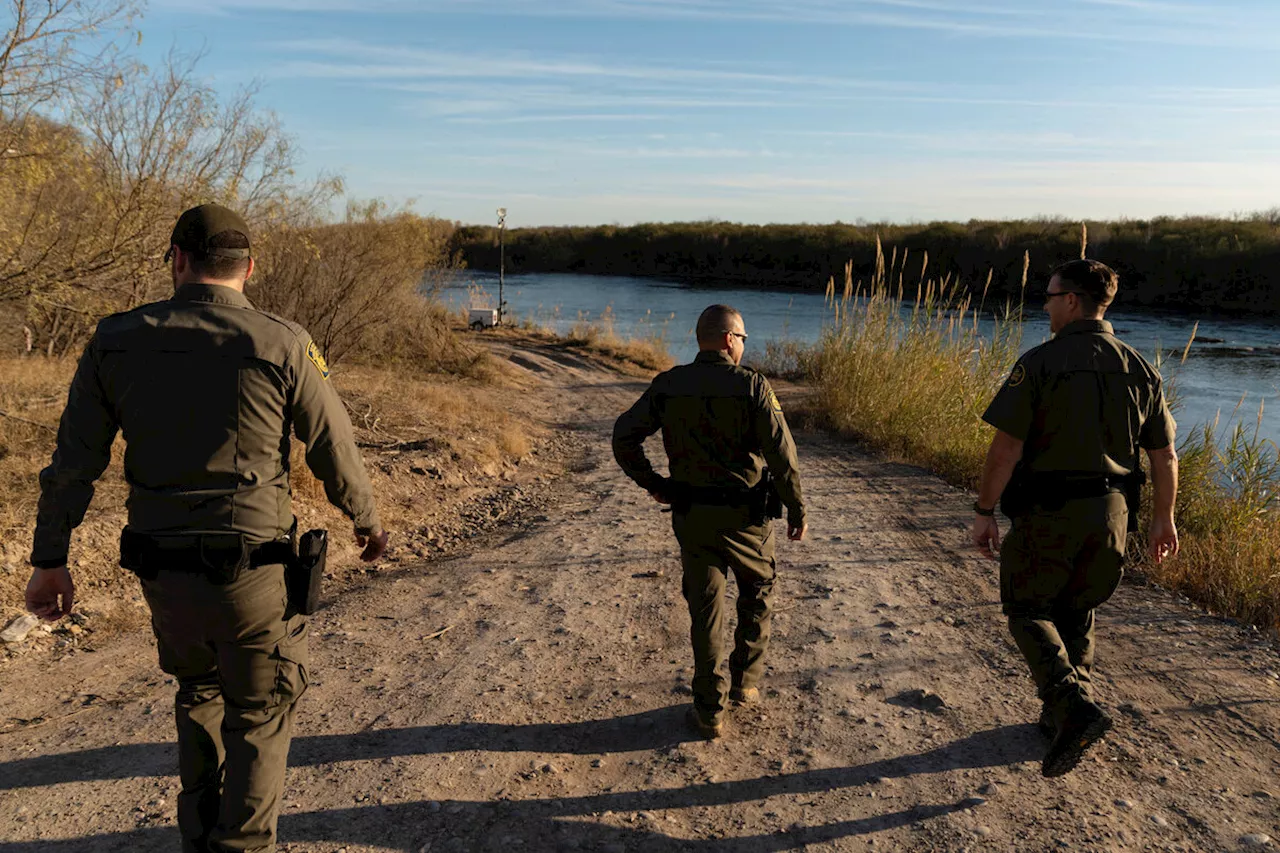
x: 217, y: 266
x: 1094, y: 280
x: 714, y: 321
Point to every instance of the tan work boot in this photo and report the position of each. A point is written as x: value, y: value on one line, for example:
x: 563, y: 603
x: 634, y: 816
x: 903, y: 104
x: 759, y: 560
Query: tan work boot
x: 709, y: 729
x: 744, y: 695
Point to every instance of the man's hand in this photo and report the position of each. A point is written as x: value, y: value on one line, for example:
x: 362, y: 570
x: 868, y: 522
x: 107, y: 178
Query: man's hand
x: 50, y: 593
x: 986, y: 535
x: 1163, y: 538
x: 796, y: 534
x: 374, y: 545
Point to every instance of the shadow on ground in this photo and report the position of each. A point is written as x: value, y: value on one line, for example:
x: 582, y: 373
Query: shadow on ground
x: 557, y: 823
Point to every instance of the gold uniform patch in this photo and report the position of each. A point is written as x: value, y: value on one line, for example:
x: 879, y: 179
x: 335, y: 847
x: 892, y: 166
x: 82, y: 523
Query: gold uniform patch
x: 1018, y: 376
x: 773, y: 402
x: 313, y: 353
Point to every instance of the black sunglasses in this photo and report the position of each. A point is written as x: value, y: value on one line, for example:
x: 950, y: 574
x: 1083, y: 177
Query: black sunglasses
x: 742, y: 335
x: 1048, y: 295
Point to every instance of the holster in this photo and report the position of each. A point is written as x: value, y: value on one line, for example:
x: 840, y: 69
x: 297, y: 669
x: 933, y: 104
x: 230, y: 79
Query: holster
x: 772, y: 498
x: 1015, y: 500
x: 1132, y: 488
x: 304, y: 574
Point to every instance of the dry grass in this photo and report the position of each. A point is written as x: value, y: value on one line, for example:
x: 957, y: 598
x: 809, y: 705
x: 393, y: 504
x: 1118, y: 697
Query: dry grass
x: 647, y: 350
x: 1227, y: 502
x: 910, y: 378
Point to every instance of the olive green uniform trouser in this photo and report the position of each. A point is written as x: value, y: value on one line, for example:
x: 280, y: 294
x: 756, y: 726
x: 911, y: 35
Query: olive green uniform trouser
x: 240, y: 657
x: 714, y: 541
x: 1055, y: 568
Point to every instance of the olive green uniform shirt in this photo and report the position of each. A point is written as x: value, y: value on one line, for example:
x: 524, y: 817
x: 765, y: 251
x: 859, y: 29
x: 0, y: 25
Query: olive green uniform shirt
x: 206, y: 390
x: 1083, y: 402
x: 721, y: 424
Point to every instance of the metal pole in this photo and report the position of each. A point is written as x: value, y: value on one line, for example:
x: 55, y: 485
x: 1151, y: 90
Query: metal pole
x: 502, y: 261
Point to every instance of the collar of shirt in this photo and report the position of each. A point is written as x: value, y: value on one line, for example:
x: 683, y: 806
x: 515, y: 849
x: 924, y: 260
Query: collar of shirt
x: 714, y: 356
x: 218, y: 294
x: 1093, y: 326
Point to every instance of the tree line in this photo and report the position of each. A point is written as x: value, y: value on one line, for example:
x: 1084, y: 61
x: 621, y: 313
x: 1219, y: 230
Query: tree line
x: 99, y: 153
x: 1188, y: 264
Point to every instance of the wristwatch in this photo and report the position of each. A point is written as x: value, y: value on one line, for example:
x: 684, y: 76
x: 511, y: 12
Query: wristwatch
x: 977, y: 507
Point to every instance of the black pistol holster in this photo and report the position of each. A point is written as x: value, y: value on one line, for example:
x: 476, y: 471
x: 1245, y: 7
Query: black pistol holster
x: 304, y: 574
x: 1131, y: 485
x: 772, y: 499
x: 1016, y: 499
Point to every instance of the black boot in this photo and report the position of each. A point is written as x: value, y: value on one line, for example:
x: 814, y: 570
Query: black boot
x: 1083, y: 725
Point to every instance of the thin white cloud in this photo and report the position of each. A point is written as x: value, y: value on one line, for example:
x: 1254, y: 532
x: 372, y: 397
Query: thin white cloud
x: 1222, y: 23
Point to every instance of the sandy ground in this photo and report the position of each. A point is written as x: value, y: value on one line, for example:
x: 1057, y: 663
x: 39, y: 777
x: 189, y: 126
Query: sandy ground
x: 527, y: 692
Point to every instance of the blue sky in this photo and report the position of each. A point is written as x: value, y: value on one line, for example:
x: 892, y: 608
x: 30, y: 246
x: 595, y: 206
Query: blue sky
x: 600, y: 111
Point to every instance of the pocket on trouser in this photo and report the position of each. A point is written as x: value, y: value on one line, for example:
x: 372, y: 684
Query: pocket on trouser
x: 292, y: 662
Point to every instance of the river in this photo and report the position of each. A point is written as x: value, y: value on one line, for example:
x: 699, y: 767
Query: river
x: 1243, y: 362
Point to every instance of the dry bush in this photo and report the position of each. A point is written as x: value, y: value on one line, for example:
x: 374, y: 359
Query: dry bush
x: 419, y: 336
x: 346, y: 282
x: 88, y: 212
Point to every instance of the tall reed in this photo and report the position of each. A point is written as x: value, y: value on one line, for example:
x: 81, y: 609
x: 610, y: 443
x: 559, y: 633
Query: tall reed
x: 1228, y: 497
x: 911, y: 377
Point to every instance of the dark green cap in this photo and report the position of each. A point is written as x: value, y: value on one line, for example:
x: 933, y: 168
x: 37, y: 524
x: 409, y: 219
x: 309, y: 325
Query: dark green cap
x: 211, y: 229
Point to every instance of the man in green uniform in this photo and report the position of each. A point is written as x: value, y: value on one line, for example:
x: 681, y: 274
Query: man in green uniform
x: 721, y: 424
x: 1070, y: 419
x: 206, y: 390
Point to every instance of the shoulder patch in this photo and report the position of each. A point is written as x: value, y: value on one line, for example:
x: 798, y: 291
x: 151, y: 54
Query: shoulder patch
x: 1017, y: 377
x: 313, y: 353
x: 773, y: 402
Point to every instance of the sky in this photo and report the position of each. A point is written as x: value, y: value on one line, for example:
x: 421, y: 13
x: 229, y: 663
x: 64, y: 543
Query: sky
x: 762, y: 111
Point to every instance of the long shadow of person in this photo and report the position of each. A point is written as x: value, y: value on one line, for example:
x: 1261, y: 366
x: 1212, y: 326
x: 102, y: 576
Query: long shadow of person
x: 566, y: 823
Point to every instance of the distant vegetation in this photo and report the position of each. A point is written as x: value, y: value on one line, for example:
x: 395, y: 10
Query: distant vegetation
x: 1190, y: 264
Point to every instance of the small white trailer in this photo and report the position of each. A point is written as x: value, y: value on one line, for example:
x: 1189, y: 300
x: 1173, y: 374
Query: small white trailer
x: 479, y: 319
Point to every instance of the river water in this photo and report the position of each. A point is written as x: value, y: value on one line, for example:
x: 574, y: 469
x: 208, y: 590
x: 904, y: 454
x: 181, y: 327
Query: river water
x: 1213, y: 381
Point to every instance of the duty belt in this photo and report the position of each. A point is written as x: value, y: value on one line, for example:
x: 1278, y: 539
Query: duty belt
x: 219, y: 556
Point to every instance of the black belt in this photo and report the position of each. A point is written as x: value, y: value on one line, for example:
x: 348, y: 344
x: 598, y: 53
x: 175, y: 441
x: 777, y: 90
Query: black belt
x: 219, y: 556
x: 713, y: 496
x: 180, y: 549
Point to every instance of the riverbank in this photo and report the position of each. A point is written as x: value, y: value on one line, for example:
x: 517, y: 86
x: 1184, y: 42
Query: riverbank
x: 1194, y: 265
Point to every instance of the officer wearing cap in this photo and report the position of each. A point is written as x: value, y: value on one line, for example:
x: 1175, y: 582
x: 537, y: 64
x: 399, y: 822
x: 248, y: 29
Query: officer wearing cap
x: 206, y: 390
x: 1064, y: 463
x: 721, y: 424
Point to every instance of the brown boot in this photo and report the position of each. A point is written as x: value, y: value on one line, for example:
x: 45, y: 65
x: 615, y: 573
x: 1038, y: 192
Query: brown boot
x: 707, y: 727
x: 1084, y: 725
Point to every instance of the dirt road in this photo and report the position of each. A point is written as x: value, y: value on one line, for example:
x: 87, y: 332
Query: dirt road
x: 527, y: 693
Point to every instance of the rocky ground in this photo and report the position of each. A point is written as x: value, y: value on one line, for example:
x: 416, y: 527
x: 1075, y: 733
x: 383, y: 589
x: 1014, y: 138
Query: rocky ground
x: 516, y: 679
